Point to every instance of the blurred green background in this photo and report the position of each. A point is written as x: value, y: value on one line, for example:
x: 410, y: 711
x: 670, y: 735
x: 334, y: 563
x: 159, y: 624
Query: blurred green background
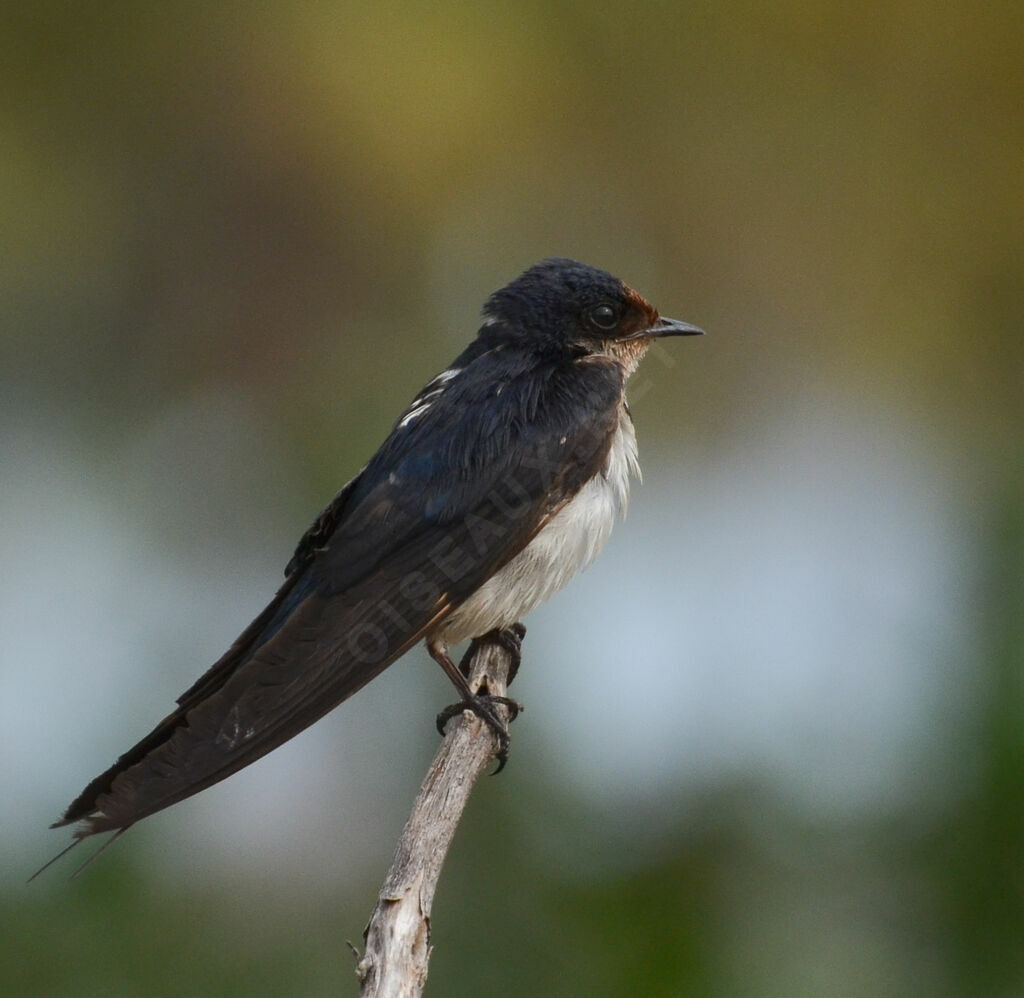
x: 238, y: 239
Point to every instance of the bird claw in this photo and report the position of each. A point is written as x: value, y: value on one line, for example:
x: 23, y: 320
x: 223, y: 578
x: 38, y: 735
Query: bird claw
x: 510, y: 638
x: 483, y: 706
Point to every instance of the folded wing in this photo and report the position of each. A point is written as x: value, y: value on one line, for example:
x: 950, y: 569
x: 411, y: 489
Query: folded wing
x: 449, y: 498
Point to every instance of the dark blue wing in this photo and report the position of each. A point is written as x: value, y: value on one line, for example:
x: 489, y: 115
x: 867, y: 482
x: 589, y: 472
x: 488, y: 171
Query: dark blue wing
x: 453, y: 494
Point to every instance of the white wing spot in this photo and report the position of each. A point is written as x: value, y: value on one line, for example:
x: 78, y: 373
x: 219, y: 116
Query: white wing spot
x: 445, y: 376
x: 433, y: 390
x: 413, y: 413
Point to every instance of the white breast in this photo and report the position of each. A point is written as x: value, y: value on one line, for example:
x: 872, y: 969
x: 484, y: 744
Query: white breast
x: 568, y: 543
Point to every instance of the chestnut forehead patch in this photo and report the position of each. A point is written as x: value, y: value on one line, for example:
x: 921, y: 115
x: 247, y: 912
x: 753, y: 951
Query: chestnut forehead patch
x: 636, y: 300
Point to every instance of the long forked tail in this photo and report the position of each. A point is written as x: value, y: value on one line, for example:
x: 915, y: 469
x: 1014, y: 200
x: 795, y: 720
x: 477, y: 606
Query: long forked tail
x: 298, y: 660
x: 76, y: 842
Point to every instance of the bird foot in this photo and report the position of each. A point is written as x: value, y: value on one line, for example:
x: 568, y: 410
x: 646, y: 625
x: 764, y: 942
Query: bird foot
x: 483, y: 706
x: 509, y: 638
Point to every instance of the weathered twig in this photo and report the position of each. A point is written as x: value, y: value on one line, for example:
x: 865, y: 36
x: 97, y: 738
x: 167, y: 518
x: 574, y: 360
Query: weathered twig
x: 398, y: 935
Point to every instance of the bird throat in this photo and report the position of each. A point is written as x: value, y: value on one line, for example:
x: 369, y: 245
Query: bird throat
x: 628, y: 353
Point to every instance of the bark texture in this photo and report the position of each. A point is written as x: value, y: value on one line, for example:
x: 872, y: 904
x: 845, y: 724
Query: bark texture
x: 394, y: 964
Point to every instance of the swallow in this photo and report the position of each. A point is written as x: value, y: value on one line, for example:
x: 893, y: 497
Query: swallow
x: 499, y: 482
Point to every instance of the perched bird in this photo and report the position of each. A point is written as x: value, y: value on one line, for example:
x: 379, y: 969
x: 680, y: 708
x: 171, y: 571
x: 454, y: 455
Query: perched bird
x: 497, y: 484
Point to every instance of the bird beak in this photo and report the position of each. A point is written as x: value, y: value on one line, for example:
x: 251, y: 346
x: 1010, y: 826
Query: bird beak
x: 673, y: 327
x: 667, y: 327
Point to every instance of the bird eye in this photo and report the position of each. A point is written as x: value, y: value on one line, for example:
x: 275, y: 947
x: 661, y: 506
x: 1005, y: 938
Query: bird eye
x: 603, y: 317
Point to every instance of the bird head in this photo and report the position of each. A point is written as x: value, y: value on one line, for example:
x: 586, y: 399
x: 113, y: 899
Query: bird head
x: 561, y: 305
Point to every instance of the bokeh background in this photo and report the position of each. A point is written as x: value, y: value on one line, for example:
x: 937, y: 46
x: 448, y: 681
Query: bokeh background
x: 774, y: 739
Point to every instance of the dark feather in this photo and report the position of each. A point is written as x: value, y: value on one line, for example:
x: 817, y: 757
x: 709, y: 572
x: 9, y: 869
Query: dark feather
x: 448, y: 499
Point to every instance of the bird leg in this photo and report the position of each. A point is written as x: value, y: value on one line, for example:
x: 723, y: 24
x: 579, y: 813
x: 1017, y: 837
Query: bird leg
x: 481, y: 704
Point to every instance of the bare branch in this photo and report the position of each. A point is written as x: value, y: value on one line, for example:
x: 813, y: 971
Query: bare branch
x: 398, y: 935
